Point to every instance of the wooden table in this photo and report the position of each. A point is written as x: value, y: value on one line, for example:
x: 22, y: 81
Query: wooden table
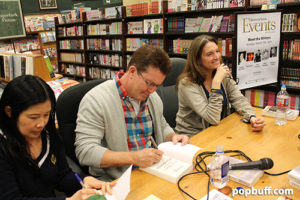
x: 276, y: 142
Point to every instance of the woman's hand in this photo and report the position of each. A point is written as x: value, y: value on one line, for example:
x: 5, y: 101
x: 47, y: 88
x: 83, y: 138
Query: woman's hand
x: 221, y: 73
x: 91, y: 182
x: 257, y: 123
x: 83, y: 194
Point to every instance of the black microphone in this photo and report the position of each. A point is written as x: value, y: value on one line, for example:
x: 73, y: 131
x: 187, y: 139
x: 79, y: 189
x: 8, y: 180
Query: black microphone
x: 264, y: 163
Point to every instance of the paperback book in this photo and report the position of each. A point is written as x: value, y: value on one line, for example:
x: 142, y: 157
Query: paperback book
x: 177, y: 160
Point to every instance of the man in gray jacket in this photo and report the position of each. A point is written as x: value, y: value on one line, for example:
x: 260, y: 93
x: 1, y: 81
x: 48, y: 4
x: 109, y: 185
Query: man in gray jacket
x: 117, y: 118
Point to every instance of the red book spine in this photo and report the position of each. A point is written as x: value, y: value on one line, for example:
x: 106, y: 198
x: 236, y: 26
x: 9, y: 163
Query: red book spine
x: 252, y: 99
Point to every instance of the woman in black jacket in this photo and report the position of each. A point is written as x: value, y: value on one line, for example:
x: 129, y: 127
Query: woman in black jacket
x: 32, y: 158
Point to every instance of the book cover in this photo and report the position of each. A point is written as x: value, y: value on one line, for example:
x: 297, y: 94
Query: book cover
x: 292, y: 102
x: 231, y: 23
x: 2, y: 66
x: 205, y: 25
x: 271, y: 98
x: 261, y: 99
x: 245, y: 177
x: 257, y: 94
x: 17, y: 66
x: 228, y: 51
x: 29, y: 68
x: 248, y: 95
x: 217, y: 24
x: 224, y: 24
x: 266, y: 96
x: 252, y: 100
x: 177, y: 160
x: 298, y: 22
x: 198, y: 24
x: 190, y: 24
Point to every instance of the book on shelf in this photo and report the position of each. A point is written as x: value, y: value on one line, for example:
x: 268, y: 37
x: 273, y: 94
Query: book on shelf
x: 198, y: 24
x: 260, y: 98
x: 12, y: 66
x: 113, y: 12
x: 49, y: 66
x: 93, y: 15
x: 135, y: 27
x: 206, y: 23
x: 176, y: 161
x: 59, y: 85
x: 139, y: 7
x: 224, y: 24
x: 153, y: 26
x: 190, y: 24
x: 216, y: 25
x: 47, y: 37
x: 231, y: 23
x: 289, y: 22
x: 228, y: 51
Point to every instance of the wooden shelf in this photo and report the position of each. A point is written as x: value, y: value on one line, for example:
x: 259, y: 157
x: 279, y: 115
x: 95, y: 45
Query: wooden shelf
x: 39, y: 65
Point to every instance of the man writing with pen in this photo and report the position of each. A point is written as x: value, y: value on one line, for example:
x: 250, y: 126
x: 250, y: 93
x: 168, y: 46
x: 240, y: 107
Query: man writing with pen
x: 117, y: 118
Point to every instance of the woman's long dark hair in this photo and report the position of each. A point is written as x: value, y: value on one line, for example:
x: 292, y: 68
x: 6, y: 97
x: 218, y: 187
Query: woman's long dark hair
x: 19, y: 94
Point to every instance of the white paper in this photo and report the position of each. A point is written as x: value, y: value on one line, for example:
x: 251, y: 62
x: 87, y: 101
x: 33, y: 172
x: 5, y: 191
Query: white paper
x: 152, y: 197
x: 122, y: 188
x: 216, y: 195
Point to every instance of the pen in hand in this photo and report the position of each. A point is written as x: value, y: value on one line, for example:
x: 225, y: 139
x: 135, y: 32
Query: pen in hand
x: 80, y: 180
x: 153, y: 142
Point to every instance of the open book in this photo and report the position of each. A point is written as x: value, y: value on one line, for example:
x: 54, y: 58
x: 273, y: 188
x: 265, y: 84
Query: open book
x: 176, y: 161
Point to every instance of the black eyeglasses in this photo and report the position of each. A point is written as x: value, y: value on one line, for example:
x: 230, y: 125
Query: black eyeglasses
x: 150, y: 84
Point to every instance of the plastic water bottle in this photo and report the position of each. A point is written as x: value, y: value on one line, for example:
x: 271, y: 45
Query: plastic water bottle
x: 219, y: 167
x: 282, y: 103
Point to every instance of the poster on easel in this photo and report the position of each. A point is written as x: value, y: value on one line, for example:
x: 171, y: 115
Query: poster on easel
x: 258, y: 43
x: 11, y: 19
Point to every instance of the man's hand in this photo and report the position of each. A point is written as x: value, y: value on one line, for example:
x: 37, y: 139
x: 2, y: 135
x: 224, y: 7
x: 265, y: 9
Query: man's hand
x: 257, y: 123
x: 175, y: 138
x: 147, y: 157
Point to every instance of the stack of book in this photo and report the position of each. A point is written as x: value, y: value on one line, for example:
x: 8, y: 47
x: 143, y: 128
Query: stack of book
x: 294, y: 177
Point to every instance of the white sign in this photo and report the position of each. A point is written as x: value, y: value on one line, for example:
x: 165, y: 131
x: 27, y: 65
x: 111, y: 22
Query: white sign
x: 258, y: 43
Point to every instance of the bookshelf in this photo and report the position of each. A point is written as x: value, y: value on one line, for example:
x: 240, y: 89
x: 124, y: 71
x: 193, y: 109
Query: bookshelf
x: 27, y: 64
x: 90, y: 49
x: 47, y: 42
x: 175, y: 36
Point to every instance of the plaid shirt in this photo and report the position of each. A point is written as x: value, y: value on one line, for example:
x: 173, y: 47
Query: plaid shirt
x: 139, y: 127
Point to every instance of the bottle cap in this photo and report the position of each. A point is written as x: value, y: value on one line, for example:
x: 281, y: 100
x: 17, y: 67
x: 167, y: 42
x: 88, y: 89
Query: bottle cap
x: 283, y: 86
x: 220, y: 149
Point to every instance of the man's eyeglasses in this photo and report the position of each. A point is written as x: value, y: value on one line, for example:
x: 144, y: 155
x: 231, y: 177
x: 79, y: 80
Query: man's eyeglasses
x: 148, y: 83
